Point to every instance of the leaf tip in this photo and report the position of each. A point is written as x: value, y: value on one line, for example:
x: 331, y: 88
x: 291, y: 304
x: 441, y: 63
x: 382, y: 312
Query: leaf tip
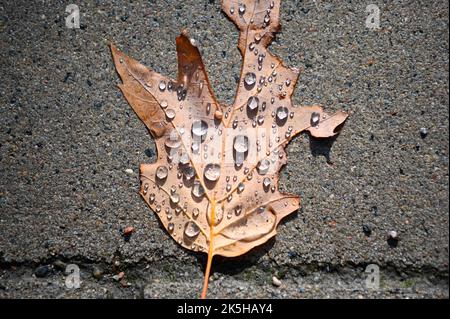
x: 330, y: 126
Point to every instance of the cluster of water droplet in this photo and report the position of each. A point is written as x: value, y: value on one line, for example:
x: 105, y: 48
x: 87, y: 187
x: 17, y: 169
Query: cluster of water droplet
x: 255, y: 109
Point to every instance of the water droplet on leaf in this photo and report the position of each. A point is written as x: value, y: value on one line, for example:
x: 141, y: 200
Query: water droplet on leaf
x: 315, y: 119
x: 249, y: 80
x: 263, y: 166
x: 252, y: 103
x: 212, y: 172
x: 175, y: 198
x: 188, y: 173
x: 191, y: 229
x: 241, y: 144
x: 242, y: 8
x: 170, y: 114
x: 198, y: 190
x: 282, y: 113
x: 162, y: 172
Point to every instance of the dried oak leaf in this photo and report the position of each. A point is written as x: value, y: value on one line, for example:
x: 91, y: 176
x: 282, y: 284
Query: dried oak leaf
x: 214, y: 185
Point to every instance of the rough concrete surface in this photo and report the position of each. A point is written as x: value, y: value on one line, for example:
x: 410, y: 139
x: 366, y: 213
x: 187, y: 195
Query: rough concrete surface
x: 67, y: 136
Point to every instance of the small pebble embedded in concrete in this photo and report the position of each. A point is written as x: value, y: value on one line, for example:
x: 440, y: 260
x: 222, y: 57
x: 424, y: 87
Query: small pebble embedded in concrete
x: 97, y: 273
x: 367, y: 230
x: 276, y: 282
x: 423, y: 132
x: 392, y: 239
x: 42, y: 271
x: 392, y: 234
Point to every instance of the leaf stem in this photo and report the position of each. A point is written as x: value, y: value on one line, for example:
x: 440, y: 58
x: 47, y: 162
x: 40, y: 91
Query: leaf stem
x: 210, y: 250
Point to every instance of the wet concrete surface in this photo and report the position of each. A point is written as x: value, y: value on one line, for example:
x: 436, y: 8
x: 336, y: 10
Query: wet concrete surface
x: 68, y: 135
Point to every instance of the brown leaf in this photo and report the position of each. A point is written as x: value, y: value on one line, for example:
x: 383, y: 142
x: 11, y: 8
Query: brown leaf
x: 214, y: 185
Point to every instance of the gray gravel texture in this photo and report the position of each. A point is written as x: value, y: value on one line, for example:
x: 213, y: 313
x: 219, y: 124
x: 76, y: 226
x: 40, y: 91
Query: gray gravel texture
x: 67, y: 136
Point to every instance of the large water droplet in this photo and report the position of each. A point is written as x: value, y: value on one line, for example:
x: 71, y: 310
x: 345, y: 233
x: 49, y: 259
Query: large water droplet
x: 315, y: 119
x: 175, y: 198
x: 162, y: 85
x: 266, y: 182
x: 198, y: 190
x: 170, y: 227
x: 191, y: 229
x: 240, y: 187
x: 164, y: 104
x: 188, y: 173
x: 252, y: 103
x: 249, y: 80
x: 199, y: 129
x: 173, y: 141
x: 263, y: 166
x: 241, y: 144
x: 162, y: 172
x: 184, y: 158
x: 170, y: 114
x: 282, y: 113
x: 212, y: 172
